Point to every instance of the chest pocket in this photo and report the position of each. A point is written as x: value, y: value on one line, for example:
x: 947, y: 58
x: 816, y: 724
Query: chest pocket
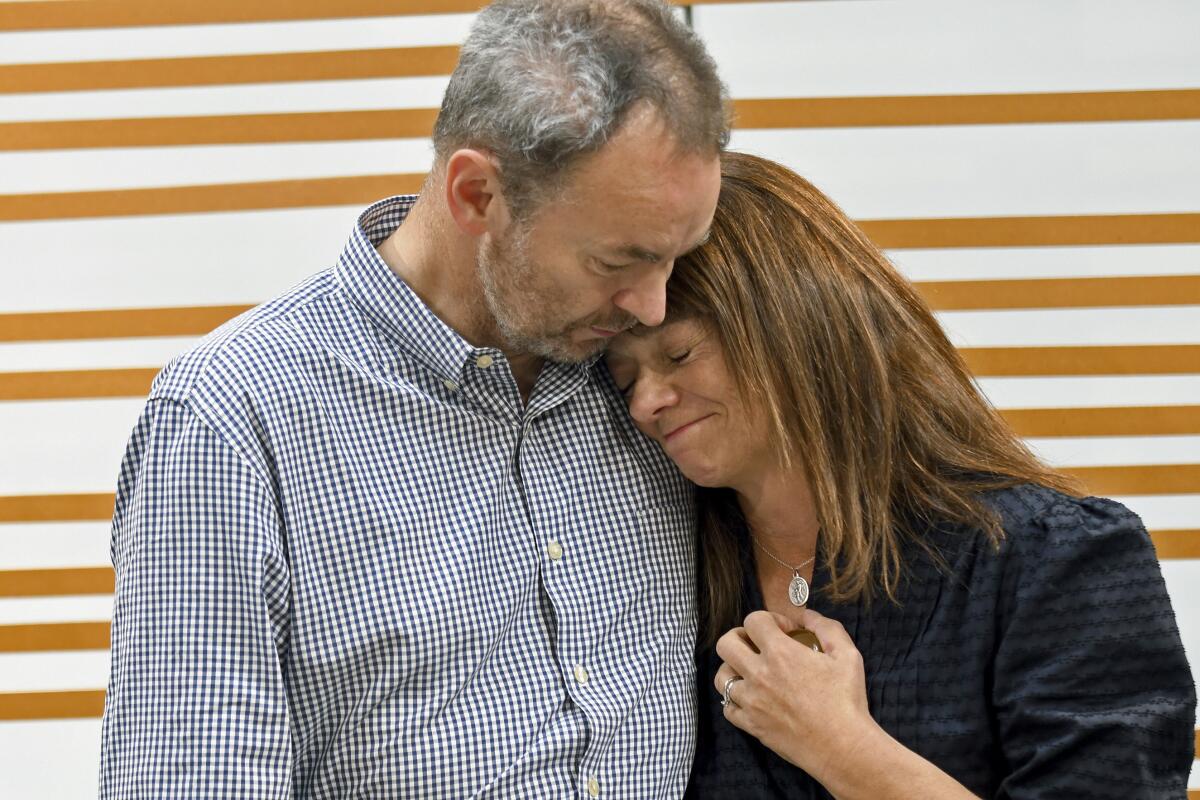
x: 668, y: 544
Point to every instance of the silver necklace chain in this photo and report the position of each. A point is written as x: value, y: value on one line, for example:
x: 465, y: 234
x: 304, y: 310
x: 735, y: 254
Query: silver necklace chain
x: 779, y: 560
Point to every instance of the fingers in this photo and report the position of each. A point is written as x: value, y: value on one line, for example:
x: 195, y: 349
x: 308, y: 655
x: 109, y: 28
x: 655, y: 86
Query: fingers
x: 741, y: 648
x: 767, y: 629
x: 829, y: 632
x: 724, y: 674
x: 736, y: 649
x: 732, y: 710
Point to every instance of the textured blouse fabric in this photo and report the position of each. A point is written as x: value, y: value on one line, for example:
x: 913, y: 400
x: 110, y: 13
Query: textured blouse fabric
x: 1051, y: 668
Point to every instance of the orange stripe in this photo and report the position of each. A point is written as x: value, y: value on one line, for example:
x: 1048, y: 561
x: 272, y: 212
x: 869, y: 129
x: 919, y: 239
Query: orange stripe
x: 56, y: 582
x: 58, y: 636
x: 74, y: 384
x: 969, y: 109
x: 115, y: 323
x: 356, y: 190
x: 15, y: 706
x: 1133, y: 480
x: 1148, y: 290
x: 983, y: 362
x: 1034, y: 231
x: 418, y: 122
x: 118, y: 323
x: 56, y: 507
x: 1116, y: 480
x: 62, y: 14
x: 240, y: 129
x: 1162, y: 359
x: 62, y: 705
x: 1171, y: 544
x: 1111, y: 421
x: 141, y: 73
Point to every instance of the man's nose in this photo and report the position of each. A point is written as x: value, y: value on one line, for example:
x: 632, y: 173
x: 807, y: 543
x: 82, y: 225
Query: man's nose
x: 647, y: 299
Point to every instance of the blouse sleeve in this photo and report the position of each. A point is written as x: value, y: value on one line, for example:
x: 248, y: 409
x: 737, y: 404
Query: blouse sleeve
x: 1092, y: 690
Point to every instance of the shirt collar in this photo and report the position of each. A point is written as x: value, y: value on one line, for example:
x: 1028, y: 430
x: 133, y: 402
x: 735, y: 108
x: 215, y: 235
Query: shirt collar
x: 388, y: 301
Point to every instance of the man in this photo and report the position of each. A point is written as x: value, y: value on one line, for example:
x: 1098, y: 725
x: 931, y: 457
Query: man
x: 392, y: 534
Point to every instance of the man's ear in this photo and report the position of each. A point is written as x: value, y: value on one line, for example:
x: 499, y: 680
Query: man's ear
x: 473, y: 193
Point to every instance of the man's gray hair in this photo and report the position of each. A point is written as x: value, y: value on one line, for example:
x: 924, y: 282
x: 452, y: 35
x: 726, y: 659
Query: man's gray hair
x: 541, y: 83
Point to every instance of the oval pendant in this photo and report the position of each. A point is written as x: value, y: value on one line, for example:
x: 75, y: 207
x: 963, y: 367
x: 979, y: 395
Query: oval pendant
x: 798, y: 591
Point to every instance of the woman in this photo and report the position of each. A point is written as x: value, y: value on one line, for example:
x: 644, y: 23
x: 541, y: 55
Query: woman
x: 986, y: 631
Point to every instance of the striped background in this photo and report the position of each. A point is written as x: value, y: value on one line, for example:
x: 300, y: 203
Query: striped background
x: 1034, y: 166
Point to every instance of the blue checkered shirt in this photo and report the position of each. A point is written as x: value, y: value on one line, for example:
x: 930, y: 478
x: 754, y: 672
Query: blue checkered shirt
x: 351, y: 563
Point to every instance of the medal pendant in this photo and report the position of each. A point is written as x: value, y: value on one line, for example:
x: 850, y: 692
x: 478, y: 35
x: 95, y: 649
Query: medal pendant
x: 798, y: 591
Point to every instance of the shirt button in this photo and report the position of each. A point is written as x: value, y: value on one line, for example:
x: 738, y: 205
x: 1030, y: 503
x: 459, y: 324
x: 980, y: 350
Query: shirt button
x: 593, y: 787
x: 581, y: 675
x: 555, y: 550
x: 451, y: 385
x: 483, y: 362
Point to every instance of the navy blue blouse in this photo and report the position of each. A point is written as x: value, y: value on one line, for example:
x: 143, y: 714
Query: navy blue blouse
x: 1051, y: 668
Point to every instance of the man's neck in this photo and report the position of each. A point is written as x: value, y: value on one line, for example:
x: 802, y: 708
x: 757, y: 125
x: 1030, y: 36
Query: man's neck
x: 437, y: 262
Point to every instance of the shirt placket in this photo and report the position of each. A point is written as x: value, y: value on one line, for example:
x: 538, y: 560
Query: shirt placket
x: 560, y: 551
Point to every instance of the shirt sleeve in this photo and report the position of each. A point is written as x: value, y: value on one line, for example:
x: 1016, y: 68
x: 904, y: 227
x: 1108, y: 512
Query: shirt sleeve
x: 196, y: 704
x: 1093, y: 694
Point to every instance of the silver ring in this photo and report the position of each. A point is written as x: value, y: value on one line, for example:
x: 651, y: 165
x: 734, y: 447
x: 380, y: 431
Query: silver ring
x: 726, y: 699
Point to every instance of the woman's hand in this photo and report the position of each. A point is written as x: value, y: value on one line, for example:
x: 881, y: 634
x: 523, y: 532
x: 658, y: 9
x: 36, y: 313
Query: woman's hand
x: 809, y: 707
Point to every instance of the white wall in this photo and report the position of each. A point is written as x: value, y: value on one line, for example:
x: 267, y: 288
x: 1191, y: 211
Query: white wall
x: 774, y: 49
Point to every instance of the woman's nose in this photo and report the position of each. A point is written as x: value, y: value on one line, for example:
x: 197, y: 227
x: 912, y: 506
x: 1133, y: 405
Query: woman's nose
x: 651, y: 397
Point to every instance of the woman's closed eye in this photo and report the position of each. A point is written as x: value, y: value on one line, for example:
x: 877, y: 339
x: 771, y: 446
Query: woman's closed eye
x: 675, y: 358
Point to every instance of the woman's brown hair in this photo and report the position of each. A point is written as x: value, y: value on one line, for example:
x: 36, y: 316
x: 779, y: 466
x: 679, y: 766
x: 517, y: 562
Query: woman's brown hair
x: 857, y: 381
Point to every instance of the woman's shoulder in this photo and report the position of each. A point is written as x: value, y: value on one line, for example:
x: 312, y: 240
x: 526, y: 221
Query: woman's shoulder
x: 1070, y: 554
x: 1039, y: 523
x: 1039, y: 520
x: 1086, y: 633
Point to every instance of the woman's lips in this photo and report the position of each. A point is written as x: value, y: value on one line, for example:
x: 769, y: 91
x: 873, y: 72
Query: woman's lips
x: 685, y: 427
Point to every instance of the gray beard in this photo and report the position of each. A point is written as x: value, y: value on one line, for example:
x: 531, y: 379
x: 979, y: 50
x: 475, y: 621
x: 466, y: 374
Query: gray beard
x: 514, y: 339
x: 508, y: 327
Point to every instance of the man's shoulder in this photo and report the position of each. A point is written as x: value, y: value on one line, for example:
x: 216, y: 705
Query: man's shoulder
x: 252, y: 351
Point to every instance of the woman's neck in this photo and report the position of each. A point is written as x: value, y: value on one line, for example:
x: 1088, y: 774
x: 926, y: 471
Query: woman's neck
x: 780, y: 514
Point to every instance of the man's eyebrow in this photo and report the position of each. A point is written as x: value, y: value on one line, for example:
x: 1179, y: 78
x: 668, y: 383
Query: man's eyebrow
x: 639, y: 254
x: 649, y: 256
